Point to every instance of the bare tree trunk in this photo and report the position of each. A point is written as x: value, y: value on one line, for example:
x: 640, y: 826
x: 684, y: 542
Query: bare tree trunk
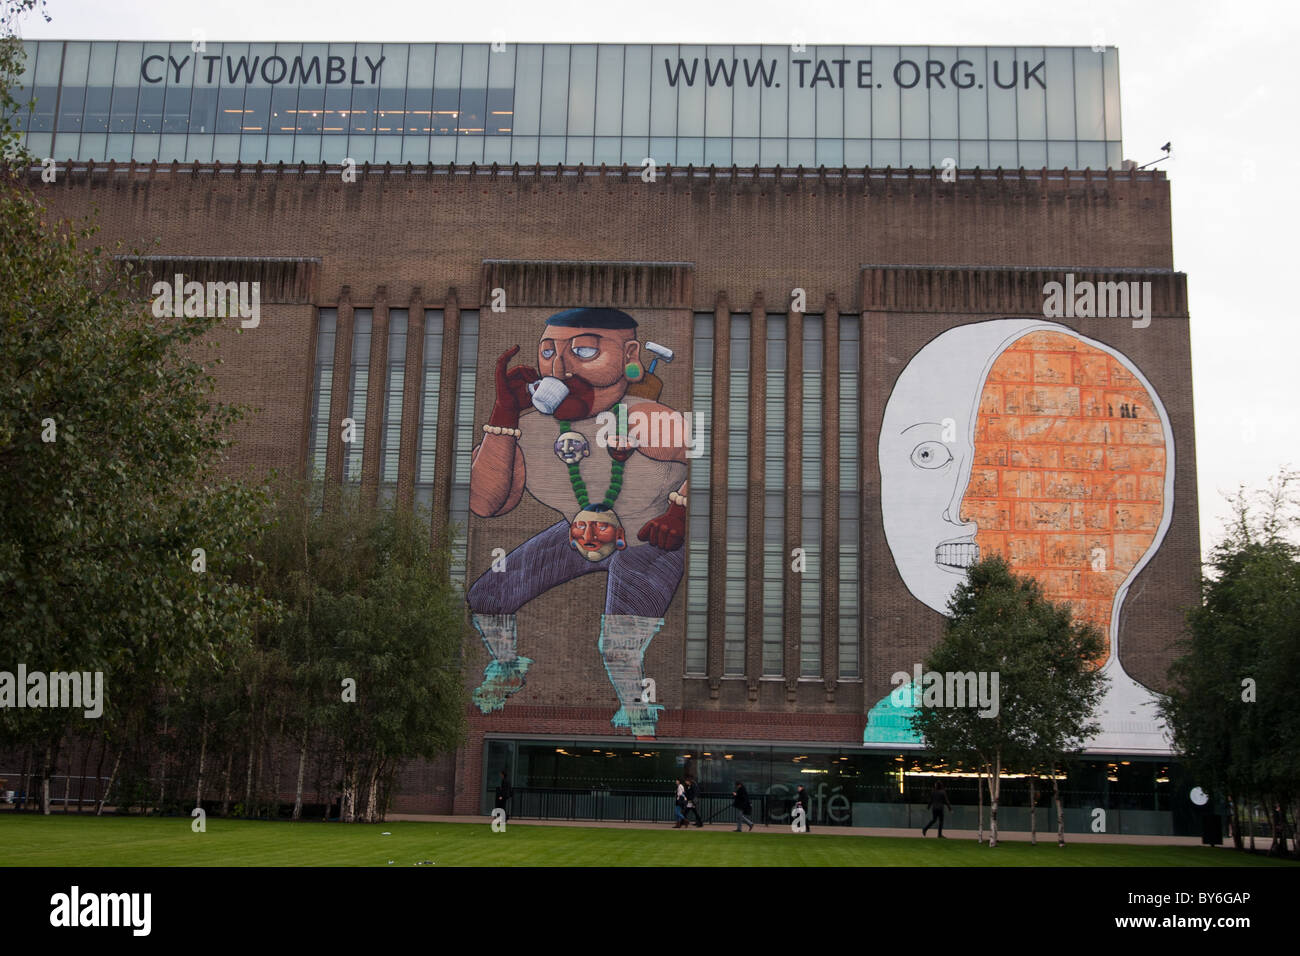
x: 979, y: 789
x: 203, y: 752
x: 252, y: 746
x: 1033, y: 813
x: 99, y: 768
x: 277, y: 765
x: 225, y: 787
x: 1060, y: 813
x: 81, y: 783
x: 44, y: 781
x: 112, y: 776
x: 348, y: 806
x: 67, y: 783
x: 257, y: 779
x: 302, y: 767
x: 372, y: 806
x: 384, y: 777
x: 1250, y: 819
x: 24, y: 779
x: 162, y: 767
x: 248, y: 781
x: 995, y: 785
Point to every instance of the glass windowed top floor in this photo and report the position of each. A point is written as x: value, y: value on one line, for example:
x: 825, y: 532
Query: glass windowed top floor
x: 557, y: 103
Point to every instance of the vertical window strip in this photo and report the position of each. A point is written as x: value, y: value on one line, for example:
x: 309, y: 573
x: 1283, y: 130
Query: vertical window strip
x: 810, y: 655
x: 322, y: 387
x: 850, y: 504
x: 391, y: 448
x: 467, y: 363
x: 774, y: 446
x: 737, y: 497
x: 359, y: 383
x: 697, y: 544
x: 430, y: 390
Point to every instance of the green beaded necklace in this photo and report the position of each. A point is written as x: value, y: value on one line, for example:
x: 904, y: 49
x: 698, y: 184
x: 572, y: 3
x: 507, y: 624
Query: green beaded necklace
x: 615, y: 470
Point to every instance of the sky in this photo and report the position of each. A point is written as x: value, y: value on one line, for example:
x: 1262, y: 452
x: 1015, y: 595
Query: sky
x: 1210, y: 78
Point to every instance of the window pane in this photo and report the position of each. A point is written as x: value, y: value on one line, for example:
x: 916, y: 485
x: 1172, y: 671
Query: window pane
x: 609, y: 91
x: 582, y: 91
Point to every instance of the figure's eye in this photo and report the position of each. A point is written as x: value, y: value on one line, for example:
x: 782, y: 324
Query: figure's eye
x: 548, y: 353
x: 585, y: 351
x: 931, y: 454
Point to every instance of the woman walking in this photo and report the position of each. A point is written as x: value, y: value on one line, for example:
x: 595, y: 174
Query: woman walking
x: 679, y: 804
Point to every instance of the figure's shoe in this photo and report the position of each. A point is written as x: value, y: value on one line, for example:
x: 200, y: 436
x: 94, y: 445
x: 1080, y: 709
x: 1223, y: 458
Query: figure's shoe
x: 640, y: 718
x: 500, y: 680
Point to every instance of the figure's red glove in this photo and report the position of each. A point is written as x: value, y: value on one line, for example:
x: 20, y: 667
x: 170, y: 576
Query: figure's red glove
x: 668, y: 531
x: 512, y: 390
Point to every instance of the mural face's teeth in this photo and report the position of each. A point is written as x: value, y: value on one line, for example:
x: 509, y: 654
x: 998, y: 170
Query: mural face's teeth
x: 959, y: 554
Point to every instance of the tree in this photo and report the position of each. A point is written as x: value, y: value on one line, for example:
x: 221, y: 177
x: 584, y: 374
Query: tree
x: 370, y: 637
x: 1001, y: 628
x: 1231, y: 707
x: 110, y: 453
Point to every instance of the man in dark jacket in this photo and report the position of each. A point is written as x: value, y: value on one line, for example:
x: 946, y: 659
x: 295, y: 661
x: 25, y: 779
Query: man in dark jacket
x: 692, y: 801
x: 504, y: 793
x: 803, y: 799
x: 740, y: 800
x: 938, y: 803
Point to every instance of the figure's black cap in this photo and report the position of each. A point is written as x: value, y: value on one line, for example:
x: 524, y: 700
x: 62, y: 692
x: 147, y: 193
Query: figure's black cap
x: 593, y: 319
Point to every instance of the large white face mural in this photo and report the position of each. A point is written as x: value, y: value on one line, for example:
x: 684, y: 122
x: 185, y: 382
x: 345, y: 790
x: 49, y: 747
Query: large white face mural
x: 1022, y: 437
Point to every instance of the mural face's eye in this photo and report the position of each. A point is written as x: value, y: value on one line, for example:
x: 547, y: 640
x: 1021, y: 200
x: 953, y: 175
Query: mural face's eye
x: 585, y: 351
x: 548, y: 353
x: 931, y: 454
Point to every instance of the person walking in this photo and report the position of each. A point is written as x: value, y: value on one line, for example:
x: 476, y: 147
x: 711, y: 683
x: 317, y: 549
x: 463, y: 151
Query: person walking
x: 938, y: 803
x: 740, y: 800
x: 504, y: 793
x: 679, y: 804
x: 692, y: 799
x: 803, y: 799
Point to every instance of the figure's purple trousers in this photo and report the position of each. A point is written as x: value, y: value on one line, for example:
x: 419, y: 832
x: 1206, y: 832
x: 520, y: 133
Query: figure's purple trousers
x: 642, y: 579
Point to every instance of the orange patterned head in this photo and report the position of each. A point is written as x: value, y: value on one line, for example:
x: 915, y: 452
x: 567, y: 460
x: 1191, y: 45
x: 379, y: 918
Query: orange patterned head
x: 1064, y: 465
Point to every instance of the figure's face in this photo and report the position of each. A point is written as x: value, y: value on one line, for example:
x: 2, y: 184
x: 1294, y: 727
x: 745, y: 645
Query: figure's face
x: 925, y: 457
x: 594, y: 357
x: 572, y: 447
x: 594, y: 536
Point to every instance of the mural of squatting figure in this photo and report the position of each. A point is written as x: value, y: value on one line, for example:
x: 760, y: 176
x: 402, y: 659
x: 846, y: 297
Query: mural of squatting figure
x: 622, y: 506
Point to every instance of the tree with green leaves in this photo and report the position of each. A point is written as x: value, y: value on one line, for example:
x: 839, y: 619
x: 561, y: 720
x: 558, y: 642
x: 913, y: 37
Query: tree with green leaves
x: 120, y: 537
x: 1038, y: 663
x: 1232, y: 707
x: 370, y: 638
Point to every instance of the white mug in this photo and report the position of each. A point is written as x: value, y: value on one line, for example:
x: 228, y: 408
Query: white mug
x: 548, y: 394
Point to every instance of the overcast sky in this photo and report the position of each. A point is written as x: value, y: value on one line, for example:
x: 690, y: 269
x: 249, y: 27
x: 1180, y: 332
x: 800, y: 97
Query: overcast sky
x: 1215, y: 79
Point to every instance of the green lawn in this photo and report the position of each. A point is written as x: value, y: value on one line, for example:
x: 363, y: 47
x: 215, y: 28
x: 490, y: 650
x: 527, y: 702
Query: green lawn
x: 111, y: 841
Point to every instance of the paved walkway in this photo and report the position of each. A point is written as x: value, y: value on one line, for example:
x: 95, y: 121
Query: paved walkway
x: 1009, y: 836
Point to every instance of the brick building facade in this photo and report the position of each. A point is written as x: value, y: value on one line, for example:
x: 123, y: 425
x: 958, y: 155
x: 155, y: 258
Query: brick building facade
x: 903, y: 254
